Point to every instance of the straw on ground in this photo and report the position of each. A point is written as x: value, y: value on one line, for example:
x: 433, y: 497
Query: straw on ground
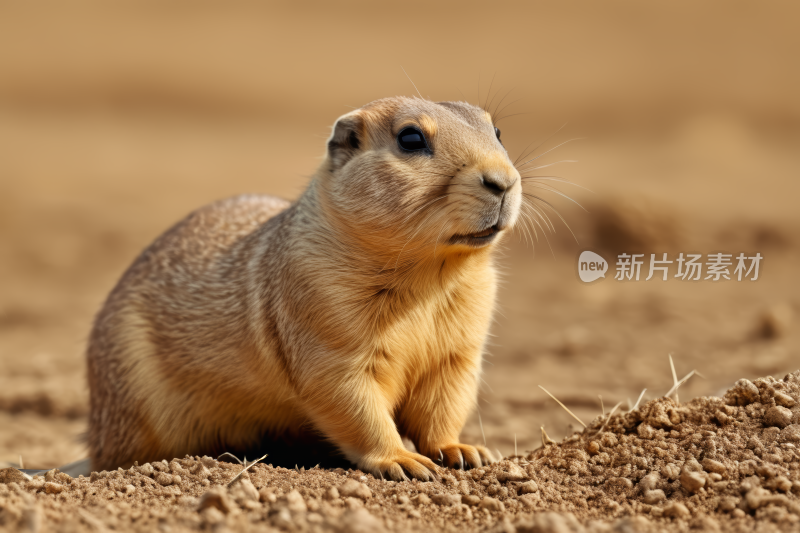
x: 564, y: 406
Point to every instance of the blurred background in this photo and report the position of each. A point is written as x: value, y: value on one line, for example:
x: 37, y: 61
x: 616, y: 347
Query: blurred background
x: 118, y: 118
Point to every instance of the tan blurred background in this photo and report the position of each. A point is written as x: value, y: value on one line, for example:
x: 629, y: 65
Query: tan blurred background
x: 117, y: 118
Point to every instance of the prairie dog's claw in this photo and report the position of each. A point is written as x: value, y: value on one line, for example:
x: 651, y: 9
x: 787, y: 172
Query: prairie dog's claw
x: 402, y: 465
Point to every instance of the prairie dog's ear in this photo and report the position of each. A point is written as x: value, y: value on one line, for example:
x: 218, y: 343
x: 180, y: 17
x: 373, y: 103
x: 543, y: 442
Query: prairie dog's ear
x: 346, y: 140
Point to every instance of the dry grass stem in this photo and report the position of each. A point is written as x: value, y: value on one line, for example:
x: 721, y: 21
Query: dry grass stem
x: 546, y: 438
x: 681, y: 382
x: 674, y: 377
x: 639, y: 400
x: 564, y: 406
x: 246, y: 468
x: 481, y: 424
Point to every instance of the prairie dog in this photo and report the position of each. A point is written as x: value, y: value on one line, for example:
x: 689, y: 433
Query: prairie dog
x: 359, y: 311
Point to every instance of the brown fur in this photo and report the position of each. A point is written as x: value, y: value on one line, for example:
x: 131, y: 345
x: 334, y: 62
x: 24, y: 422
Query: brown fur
x: 351, y: 312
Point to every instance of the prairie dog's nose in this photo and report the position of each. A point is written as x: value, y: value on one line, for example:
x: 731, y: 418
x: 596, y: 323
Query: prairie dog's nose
x: 497, y: 181
x: 496, y: 187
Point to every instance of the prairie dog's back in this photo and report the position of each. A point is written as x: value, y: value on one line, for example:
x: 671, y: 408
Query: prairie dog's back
x: 174, y: 335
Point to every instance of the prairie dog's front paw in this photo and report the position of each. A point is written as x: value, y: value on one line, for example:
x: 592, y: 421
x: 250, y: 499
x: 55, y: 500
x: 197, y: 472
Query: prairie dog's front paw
x: 460, y: 456
x: 401, y: 465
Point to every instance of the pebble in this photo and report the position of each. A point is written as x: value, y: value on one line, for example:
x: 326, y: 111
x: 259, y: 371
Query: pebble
x: 267, y: 495
x: 728, y: 504
x: 692, y: 481
x: 671, y: 471
x: 551, y: 522
x: 491, y: 504
x: 654, y: 496
x: 529, y: 500
x: 645, y: 431
x: 649, y: 482
x: 743, y: 392
x: 790, y: 433
x: 529, y: 487
x: 470, y: 499
x: 710, y: 465
x: 676, y: 510
x: 778, y: 416
x: 513, y: 473
x: 783, y: 484
x: 784, y: 400
x: 361, y: 521
x: 12, y: 475
x: 353, y: 503
x: 619, y: 484
x: 163, y: 479
x: 53, y: 488
x: 145, y: 470
x: 421, y: 499
x: 216, y: 498
x: 248, y: 489
x: 351, y: 487
x: 446, y: 500
x: 295, y: 502
x: 212, y: 516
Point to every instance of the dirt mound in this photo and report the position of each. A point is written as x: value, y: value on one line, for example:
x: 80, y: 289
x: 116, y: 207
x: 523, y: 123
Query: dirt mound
x: 634, y: 224
x: 730, y: 463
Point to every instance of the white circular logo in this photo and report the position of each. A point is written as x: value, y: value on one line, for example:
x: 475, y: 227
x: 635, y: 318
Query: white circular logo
x: 591, y: 266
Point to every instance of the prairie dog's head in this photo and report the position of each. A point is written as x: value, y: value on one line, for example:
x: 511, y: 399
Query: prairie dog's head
x: 420, y: 176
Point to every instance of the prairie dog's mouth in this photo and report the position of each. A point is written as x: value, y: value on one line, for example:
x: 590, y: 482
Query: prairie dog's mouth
x: 479, y: 238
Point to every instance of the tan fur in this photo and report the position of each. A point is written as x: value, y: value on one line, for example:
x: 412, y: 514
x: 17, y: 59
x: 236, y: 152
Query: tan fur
x: 352, y: 311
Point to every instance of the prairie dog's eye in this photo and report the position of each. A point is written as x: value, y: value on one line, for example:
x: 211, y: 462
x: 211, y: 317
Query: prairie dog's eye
x: 497, y: 132
x: 411, y: 140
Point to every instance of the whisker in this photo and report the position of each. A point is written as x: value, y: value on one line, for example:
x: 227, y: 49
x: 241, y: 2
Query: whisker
x: 412, y: 82
x: 556, y: 212
x: 526, y: 153
x: 543, y: 217
x: 490, y: 92
x: 514, y: 115
x: 423, y: 206
x: 506, y: 107
x: 521, y: 167
x: 526, y: 230
x: 556, y: 191
x: 551, y: 149
x: 544, y: 233
x: 493, y: 113
x: 553, y: 178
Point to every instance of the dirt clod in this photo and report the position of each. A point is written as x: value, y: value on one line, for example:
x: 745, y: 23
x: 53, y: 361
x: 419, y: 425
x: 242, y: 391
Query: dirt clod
x: 778, y: 416
x: 446, y: 499
x: 353, y: 488
x: 216, y: 498
x: 491, y: 504
x: 11, y: 475
x: 744, y: 392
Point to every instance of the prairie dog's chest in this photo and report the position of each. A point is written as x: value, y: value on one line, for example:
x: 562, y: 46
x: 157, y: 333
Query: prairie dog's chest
x: 449, y: 327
